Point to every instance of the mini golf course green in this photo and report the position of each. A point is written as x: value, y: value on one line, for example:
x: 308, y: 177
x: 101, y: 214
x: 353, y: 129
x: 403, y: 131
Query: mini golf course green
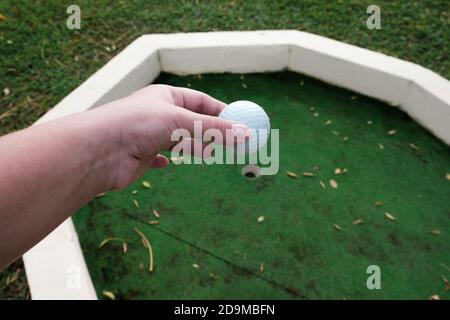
x: 315, y: 241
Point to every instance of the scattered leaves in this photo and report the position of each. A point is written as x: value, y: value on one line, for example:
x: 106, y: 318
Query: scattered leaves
x: 344, y: 139
x: 136, y: 203
x: 333, y: 184
x: 109, y: 295
x: 378, y: 203
x: 213, y: 276
x: 153, y: 222
x: 322, y: 184
x: 337, y: 227
x: 337, y: 171
x: 109, y: 239
x: 392, y: 132
x: 156, y: 213
x: 308, y: 174
x: 134, y: 192
x: 389, y: 216
x: 2, y: 17
x: 146, y: 243
x: 146, y: 184
x: 413, y: 146
x: 195, y: 266
x: 291, y: 174
x: 261, y: 218
x: 357, y: 221
x: 315, y: 114
x: 328, y: 122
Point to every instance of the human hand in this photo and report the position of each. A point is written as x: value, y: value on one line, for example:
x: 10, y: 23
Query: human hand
x: 142, y: 124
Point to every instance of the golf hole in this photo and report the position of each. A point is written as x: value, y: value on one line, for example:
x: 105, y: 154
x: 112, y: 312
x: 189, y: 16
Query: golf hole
x: 251, y: 171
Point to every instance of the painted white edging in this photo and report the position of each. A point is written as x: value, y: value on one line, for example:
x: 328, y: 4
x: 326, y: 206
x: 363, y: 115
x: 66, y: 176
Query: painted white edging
x: 55, y: 265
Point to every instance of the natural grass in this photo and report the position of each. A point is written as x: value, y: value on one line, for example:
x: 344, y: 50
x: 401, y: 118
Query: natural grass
x: 41, y: 61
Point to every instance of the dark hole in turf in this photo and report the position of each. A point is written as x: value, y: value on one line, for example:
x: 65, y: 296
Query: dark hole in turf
x: 250, y: 175
x: 251, y: 171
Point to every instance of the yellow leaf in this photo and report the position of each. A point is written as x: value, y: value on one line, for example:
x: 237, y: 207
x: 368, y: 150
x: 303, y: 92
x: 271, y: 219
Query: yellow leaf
x: 389, y: 216
x: 2, y: 17
x: 333, y: 184
x: 146, y: 184
x: 291, y: 174
x: 109, y: 295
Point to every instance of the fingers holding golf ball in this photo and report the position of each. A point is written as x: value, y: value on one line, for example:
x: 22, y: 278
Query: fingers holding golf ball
x: 254, y: 117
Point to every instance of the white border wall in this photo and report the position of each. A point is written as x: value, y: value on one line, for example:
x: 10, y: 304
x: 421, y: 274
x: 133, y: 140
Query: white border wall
x: 54, y: 264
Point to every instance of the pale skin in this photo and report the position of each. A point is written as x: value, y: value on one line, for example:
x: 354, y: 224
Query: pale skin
x: 49, y: 171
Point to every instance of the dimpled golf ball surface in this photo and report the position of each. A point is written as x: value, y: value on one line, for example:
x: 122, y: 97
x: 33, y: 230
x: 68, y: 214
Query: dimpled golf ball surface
x: 254, y: 117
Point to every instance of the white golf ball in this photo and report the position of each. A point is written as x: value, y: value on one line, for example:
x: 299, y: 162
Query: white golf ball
x: 254, y: 117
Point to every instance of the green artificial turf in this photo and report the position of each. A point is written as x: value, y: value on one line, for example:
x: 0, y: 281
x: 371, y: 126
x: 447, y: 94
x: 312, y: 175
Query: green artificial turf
x: 209, y: 213
x: 41, y: 61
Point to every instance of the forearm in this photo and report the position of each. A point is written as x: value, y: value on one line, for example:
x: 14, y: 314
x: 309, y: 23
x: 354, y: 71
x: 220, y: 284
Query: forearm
x: 47, y: 172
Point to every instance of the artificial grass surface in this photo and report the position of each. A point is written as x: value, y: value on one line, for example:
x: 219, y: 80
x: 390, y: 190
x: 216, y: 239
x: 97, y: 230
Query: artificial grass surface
x: 209, y: 213
x: 42, y: 61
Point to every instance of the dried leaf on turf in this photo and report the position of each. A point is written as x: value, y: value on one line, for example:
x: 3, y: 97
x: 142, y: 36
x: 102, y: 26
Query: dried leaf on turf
x: 124, y: 247
x: 195, y: 266
x: 392, y: 132
x: 261, y: 218
x: 435, y: 297
x: 380, y: 146
x: 136, y: 203
x: 448, y: 176
x: 261, y: 267
x: 322, y: 184
x: 100, y: 195
x: 333, y: 184
x: 147, y: 244
x: 109, y: 239
x: 378, y: 203
x: 337, y: 227
x: 389, y: 216
x: 146, y: 184
x: 357, y: 221
x: 291, y: 174
x: 213, y: 276
x: 308, y: 174
x: 436, y: 232
x: 156, y: 213
x: 134, y: 192
x: 153, y: 222
x: 413, y: 146
x: 109, y: 295
x: 337, y: 171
